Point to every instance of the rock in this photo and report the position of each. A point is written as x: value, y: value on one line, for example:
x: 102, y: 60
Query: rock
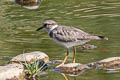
x: 72, y: 68
x: 12, y: 72
x: 29, y: 4
x: 112, y: 63
x: 30, y: 57
x: 86, y: 47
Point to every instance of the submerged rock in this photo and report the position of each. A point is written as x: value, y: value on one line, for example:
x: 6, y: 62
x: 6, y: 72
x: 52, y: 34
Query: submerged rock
x: 12, y: 72
x: 29, y: 4
x: 30, y: 57
x: 86, y: 47
x: 55, y: 62
x: 5, y: 57
x: 112, y: 63
x: 72, y: 69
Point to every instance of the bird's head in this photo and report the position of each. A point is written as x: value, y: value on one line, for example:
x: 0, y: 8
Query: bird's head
x: 48, y: 25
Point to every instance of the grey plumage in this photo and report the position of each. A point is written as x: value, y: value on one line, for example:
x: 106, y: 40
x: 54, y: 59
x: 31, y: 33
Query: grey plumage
x: 70, y: 34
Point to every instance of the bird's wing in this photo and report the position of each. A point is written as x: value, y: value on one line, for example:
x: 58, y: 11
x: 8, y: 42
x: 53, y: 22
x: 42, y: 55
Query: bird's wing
x: 69, y: 34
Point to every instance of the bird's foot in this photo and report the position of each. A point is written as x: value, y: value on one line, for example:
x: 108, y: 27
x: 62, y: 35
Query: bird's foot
x: 59, y: 65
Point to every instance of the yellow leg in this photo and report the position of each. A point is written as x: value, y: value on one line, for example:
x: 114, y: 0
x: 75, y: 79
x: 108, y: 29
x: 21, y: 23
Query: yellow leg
x: 74, y: 54
x: 64, y: 59
x: 75, y: 78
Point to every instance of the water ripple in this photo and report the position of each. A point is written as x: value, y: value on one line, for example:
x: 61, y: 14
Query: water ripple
x: 105, y: 15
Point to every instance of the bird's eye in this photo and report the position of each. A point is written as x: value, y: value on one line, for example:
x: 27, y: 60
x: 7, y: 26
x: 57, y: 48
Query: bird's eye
x: 45, y: 24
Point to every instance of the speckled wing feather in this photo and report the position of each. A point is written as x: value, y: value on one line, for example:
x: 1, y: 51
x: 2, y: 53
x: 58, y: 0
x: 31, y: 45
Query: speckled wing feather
x: 69, y: 34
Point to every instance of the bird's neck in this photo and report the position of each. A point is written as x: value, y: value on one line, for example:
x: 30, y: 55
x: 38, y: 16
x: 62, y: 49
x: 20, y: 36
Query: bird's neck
x: 53, y: 27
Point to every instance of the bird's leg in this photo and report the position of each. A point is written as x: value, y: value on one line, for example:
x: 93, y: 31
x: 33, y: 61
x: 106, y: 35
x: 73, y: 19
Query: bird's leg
x: 64, y: 59
x: 75, y: 78
x: 74, y: 54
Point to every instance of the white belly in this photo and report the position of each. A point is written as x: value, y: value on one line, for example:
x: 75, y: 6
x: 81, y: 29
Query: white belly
x: 71, y: 44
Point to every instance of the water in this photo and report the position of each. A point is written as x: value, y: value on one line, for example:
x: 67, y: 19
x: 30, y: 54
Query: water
x: 102, y: 17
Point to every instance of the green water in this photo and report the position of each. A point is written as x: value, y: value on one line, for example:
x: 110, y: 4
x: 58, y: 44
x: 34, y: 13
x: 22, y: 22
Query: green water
x: 102, y: 17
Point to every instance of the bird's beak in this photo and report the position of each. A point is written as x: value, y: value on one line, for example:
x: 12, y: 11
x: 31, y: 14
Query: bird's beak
x: 40, y: 28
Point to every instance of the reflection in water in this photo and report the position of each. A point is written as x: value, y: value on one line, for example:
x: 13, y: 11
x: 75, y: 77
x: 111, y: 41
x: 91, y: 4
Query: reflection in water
x: 65, y: 77
x: 29, y: 4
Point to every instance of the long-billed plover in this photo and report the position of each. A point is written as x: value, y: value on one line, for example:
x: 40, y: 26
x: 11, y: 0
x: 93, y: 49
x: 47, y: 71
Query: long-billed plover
x: 68, y: 36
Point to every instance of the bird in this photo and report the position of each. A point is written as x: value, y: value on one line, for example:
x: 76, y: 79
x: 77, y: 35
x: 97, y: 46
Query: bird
x: 68, y: 36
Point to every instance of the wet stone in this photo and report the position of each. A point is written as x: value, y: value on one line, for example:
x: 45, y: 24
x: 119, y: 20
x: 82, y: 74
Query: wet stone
x: 112, y: 63
x: 12, y: 72
x: 86, y: 47
x: 30, y: 57
x: 29, y: 4
x: 72, y: 68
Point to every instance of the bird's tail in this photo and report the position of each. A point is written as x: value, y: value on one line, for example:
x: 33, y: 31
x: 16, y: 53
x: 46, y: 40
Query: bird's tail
x: 95, y: 37
x: 102, y: 37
